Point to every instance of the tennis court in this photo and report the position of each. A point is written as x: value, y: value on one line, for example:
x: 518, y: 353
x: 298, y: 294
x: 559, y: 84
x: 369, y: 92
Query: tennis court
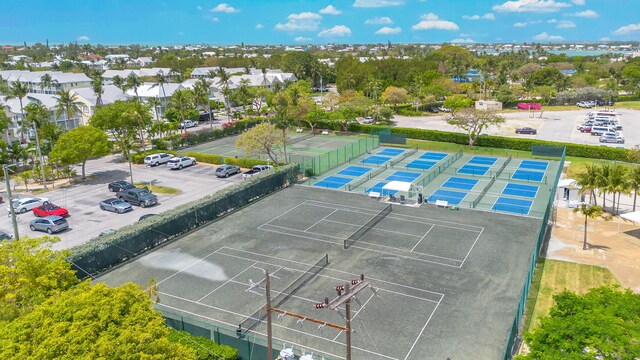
x: 333, y: 182
x: 528, y: 175
x: 514, y: 206
x: 375, y: 160
x: 440, y: 275
x: 356, y: 171
x: 529, y: 191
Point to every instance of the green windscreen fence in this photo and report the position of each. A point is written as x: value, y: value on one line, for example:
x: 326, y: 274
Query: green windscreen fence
x: 105, y: 252
x: 327, y: 161
x: 514, y: 338
x: 387, y: 137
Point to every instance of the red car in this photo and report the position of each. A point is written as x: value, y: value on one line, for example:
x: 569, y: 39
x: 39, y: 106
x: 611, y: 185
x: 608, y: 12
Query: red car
x: 526, y: 130
x: 50, y: 209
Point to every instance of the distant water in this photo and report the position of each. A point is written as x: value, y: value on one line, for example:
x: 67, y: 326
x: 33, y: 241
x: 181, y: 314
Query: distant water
x: 570, y: 52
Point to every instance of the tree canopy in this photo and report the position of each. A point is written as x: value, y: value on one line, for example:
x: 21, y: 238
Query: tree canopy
x: 79, y: 145
x: 262, y: 139
x: 474, y: 122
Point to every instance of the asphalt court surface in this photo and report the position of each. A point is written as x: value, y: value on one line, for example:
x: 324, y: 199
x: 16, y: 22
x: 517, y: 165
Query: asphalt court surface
x: 449, y: 282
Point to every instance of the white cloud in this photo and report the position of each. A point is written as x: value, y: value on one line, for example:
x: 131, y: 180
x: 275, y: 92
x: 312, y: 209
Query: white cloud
x: 259, y: 26
x: 463, y: 41
x: 586, y: 14
x: 431, y: 21
x: 199, y: 7
x: 605, y: 39
x: 215, y: 19
x: 379, y: 21
x: 565, y: 24
x: 527, y: 23
x: 487, y: 16
x: 546, y: 37
x: 330, y: 10
x: 336, y: 31
x: 552, y: 21
x: 225, y: 8
x: 301, y: 39
x: 306, y: 21
x: 537, y: 6
x: 83, y: 38
x: 578, y: 2
x: 377, y: 3
x: 389, y: 31
x: 464, y: 35
x: 627, y: 29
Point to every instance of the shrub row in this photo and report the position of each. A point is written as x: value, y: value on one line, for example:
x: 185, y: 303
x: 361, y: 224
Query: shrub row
x: 205, y: 349
x: 138, y: 158
x: 498, y: 142
x: 218, y: 160
x: 206, y: 158
x: 198, y: 137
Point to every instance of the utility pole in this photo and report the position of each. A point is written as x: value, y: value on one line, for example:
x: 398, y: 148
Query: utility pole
x: 267, y: 290
x: 44, y: 178
x: 347, y: 315
x: 16, y: 235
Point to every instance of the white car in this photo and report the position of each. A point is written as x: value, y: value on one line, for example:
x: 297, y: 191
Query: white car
x: 187, y: 124
x: 180, y: 162
x: 157, y: 159
x: 26, y: 204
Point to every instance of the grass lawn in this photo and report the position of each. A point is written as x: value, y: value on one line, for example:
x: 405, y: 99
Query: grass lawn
x: 552, y: 277
x: 157, y: 189
x: 544, y: 108
x: 634, y: 105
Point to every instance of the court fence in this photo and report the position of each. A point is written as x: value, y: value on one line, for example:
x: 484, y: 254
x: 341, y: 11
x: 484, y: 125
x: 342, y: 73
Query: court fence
x: 250, y: 345
x: 514, y: 337
x: 316, y: 165
x: 104, y: 252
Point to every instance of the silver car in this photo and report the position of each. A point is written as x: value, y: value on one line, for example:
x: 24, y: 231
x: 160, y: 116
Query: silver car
x: 51, y: 224
x: 26, y: 204
x: 115, y: 205
x: 226, y: 170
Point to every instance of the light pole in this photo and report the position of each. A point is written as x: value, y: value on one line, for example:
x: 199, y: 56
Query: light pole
x: 16, y: 235
x: 44, y: 178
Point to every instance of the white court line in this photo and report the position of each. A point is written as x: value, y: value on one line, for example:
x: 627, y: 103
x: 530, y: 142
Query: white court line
x: 356, y: 314
x: 359, y: 241
x: 422, y: 331
x: 422, y: 238
x: 226, y: 282
x: 471, y: 248
x: 217, y: 321
x: 274, y: 324
x: 286, y: 212
x: 422, y: 219
x: 328, y: 269
x: 318, y: 222
x: 378, y: 229
x: 181, y: 270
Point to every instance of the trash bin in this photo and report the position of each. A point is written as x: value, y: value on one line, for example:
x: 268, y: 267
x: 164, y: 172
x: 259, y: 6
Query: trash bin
x: 419, y: 198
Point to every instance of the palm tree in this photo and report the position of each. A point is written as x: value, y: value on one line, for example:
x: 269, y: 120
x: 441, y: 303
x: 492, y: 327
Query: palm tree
x: 119, y: 83
x: 160, y: 81
x: 617, y: 183
x: 243, y: 93
x: 201, y: 96
x: 36, y: 116
x: 224, y: 83
x: 588, y: 180
x: 181, y: 101
x: 46, y: 81
x: 633, y: 177
x: 19, y: 91
x: 98, y: 89
x: 132, y: 82
x: 67, y: 104
x: 154, y: 103
x: 593, y: 212
x: 602, y: 182
x: 5, y: 122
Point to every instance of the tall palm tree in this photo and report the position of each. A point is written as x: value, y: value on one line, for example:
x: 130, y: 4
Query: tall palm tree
x: 154, y: 103
x: 19, y: 91
x: 633, y: 177
x: 181, y: 101
x: 46, y: 81
x: 588, y: 180
x: 201, y: 96
x: 97, y: 86
x: 37, y: 115
x: 68, y: 104
x: 132, y: 82
x: 602, y: 180
x: 223, y: 81
x: 617, y: 183
x: 242, y: 92
x: 119, y: 83
x: 589, y: 212
x: 160, y: 81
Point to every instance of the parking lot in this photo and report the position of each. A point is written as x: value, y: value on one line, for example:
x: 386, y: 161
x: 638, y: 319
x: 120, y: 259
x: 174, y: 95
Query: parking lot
x: 554, y: 125
x: 87, y: 221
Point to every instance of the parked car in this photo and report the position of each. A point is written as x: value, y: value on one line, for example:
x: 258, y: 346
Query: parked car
x: 138, y: 196
x: 368, y: 120
x: 180, y: 162
x: 119, y: 186
x: 146, y: 216
x: 227, y: 170
x: 115, y: 205
x: 50, y: 209
x: 187, y: 124
x: 5, y: 236
x: 585, y: 129
x: 433, y: 110
x: 256, y: 170
x: 157, y: 159
x: 107, y: 232
x: 444, y: 109
x: 25, y: 204
x: 526, y: 130
x: 50, y: 224
x: 612, y: 139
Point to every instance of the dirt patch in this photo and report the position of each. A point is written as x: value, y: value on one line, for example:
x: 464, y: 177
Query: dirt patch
x: 612, y: 244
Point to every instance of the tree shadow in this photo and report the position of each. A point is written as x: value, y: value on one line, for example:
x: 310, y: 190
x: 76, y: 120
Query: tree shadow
x: 635, y: 233
x: 598, y: 247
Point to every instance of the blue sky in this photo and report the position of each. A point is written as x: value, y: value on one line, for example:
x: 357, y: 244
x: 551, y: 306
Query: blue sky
x: 306, y: 21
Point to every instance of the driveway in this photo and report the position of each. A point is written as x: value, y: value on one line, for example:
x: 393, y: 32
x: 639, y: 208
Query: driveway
x: 88, y: 221
x: 554, y: 126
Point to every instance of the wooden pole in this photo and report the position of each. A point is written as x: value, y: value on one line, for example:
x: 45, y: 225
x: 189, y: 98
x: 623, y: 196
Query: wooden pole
x: 267, y: 289
x: 347, y: 315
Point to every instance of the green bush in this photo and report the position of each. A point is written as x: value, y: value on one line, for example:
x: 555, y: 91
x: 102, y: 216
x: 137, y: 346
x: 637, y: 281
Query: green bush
x: 205, y: 349
x: 159, y: 144
x: 138, y: 158
x: 409, y: 111
x: 245, y: 163
x: 309, y: 172
x: 206, y: 158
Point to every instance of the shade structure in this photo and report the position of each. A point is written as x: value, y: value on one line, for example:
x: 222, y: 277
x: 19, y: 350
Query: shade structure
x: 398, y: 186
x: 632, y: 216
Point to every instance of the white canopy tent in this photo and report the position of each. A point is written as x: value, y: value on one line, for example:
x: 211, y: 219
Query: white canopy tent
x: 632, y: 216
x: 401, y: 186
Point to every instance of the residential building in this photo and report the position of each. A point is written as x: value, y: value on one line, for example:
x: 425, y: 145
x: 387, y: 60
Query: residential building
x: 123, y: 74
x: 61, y: 80
x: 155, y: 90
x: 88, y: 100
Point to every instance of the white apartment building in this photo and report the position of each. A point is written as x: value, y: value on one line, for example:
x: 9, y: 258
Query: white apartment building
x: 61, y: 80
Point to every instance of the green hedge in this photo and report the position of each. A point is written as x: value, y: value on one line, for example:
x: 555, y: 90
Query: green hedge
x: 206, y: 158
x: 246, y: 163
x: 218, y: 160
x: 498, y: 142
x: 205, y: 349
x: 138, y: 158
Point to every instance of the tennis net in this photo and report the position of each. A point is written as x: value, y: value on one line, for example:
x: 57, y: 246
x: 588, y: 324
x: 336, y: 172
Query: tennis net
x: 503, y: 166
x: 403, y: 156
x: 358, y: 234
x: 484, y: 191
x: 256, y: 318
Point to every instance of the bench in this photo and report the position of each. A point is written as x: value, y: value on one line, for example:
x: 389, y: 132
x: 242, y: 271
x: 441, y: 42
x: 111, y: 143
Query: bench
x: 442, y: 203
x: 325, y: 132
x: 298, y: 130
x: 374, y: 194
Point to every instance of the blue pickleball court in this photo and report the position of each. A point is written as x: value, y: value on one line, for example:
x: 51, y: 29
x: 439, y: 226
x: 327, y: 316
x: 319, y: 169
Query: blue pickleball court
x: 405, y: 176
x: 527, y: 175
x: 476, y: 170
x: 356, y: 171
x: 482, y: 160
x: 420, y: 164
x: 433, y: 156
x: 390, y: 152
x: 529, y: 191
x: 375, y: 160
x: 514, y: 206
x: 534, y: 165
x: 333, y: 182
x: 452, y: 197
x: 460, y: 183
